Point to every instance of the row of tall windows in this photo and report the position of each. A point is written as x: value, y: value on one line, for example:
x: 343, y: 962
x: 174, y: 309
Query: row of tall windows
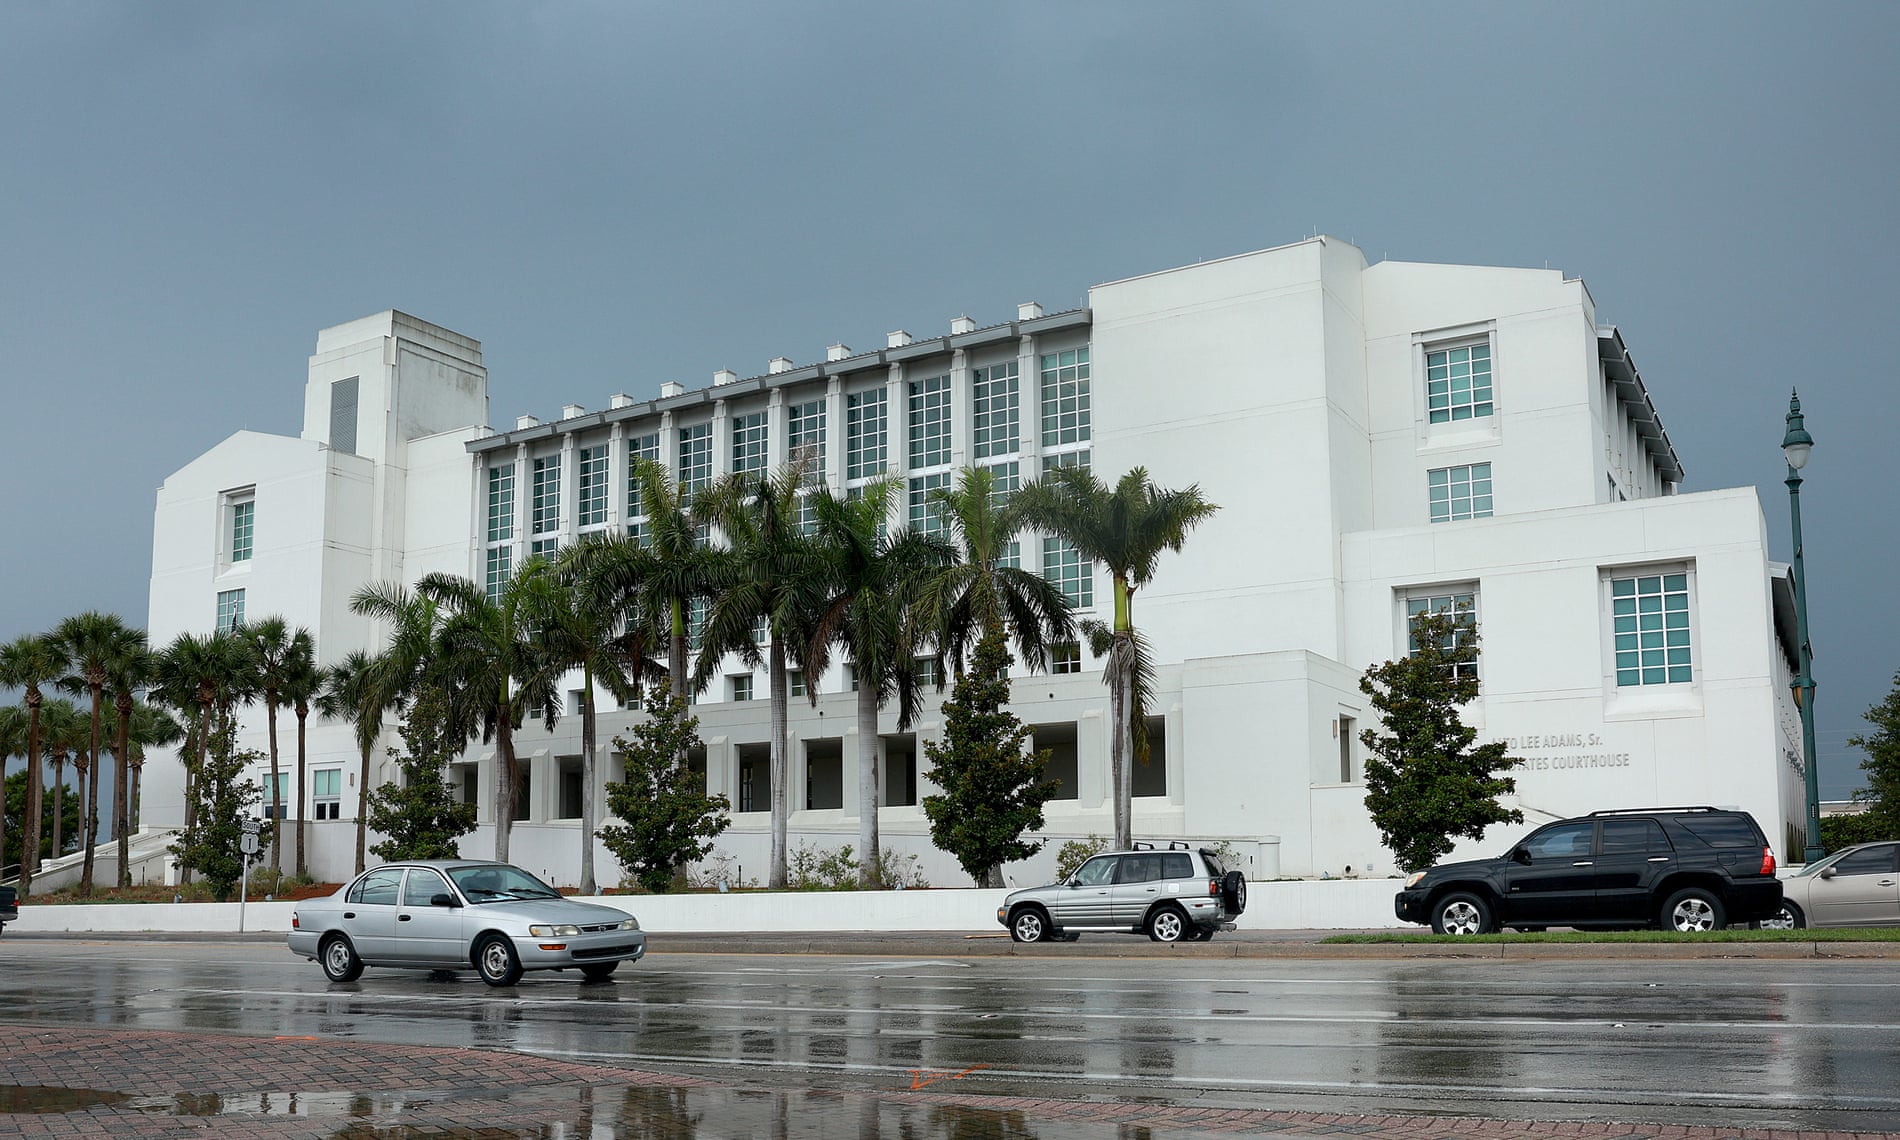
x: 1650, y: 624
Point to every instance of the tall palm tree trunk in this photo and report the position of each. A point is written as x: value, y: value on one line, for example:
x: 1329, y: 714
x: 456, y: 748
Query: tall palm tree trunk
x: 121, y: 792
x: 92, y: 800
x: 82, y: 764
x: 362, y: 805
x: 781, y: 801
x: 870, y: 767
x: 1121, y: 744
x: 276, y: 794
x: 587, y: 782
x: 303, y: 718
x: 59, y: 803
x: 505, y: 776
x: 30, y: 835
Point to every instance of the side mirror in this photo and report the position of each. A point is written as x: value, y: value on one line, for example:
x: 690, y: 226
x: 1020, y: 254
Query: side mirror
x: 1827, y: 872
x: 443, y: 900
x: 1521, y: 855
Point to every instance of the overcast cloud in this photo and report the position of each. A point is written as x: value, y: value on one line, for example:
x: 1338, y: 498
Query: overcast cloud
x: 610, y: 196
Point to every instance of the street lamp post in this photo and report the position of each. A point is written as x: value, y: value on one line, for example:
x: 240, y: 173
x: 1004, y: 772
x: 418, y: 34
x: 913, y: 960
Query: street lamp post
x: 1796, y: 444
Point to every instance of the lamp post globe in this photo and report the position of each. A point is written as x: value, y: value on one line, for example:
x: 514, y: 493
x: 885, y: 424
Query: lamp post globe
x: 1796, y: 445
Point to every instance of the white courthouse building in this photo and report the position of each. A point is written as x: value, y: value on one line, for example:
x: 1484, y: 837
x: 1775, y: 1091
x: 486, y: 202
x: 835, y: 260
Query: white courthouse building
x: 1380, y: 439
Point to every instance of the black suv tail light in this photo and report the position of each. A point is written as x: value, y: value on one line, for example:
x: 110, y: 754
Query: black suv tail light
x: 1213, y: 888
x: 1767, y: 860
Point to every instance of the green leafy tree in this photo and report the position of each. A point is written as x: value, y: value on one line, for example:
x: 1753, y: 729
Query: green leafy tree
x: 420, y: 817
x: 992, y: 789
x: 209, y: 845
x: 1882, y: 766
x: 16, y: 803
x: 669, y: 819
x: 1126, y: 528
x: 1427, y: 779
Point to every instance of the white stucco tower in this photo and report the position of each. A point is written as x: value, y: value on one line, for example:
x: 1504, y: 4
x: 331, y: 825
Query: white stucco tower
x: 269, y: 524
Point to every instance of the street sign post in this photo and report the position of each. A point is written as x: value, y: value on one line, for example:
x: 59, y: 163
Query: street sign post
x: 247, y: 847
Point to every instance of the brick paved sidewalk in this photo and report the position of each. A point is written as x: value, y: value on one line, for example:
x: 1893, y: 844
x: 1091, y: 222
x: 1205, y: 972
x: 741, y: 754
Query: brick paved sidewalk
x: 145, y: 1084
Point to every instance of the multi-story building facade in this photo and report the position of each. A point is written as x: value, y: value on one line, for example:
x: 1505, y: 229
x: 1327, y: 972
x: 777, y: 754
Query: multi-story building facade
x: 1382, y: 441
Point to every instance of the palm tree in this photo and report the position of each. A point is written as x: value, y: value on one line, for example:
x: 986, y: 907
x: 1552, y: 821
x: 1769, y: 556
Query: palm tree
x: 199, y: 675
x: 299, y: 683
x: 596, y: 627
x: 1125, y: 528
x: 273, y: 648
x: 873, y: 574
x: 96, y: 642
x: 63, y: 736
x: 27, y: 663
x: 355, y: 690
x: 680, y: 564
x: 771, y: 570
x: 129, y: 673
x: 483, y: 654
x: 977, y: 594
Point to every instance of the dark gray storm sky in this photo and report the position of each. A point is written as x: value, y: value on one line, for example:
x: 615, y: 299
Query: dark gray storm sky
x: 614, y: 195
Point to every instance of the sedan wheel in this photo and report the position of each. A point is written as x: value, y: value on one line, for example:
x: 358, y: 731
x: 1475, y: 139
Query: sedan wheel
x: 1789, y: 917
x: 1028, y: 925
x: 1167, y: 925
x: 340, y: 963
x: 497, y: 962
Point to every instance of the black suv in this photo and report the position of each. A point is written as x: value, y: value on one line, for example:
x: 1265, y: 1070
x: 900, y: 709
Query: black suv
x: 1690, y: 868
x: 9, y: 907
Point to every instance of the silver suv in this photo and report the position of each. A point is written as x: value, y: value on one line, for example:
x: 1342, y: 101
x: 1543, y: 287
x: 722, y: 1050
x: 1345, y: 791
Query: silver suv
x: 1171, y: 895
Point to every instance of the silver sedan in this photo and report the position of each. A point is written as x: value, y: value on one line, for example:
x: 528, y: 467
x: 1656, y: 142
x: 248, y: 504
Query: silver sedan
x: 460, y: 914
x: 1855, y: 886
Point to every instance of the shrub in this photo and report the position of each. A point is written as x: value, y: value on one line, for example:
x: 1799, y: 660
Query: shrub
x: 1071, y: 855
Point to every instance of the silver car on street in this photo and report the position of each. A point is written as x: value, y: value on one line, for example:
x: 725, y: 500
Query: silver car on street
x: 461, y: 914
x: 1855, y: 886
x: 1172, y: 895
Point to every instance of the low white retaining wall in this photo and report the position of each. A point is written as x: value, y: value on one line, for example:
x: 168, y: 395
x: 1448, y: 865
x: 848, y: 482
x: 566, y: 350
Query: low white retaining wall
x: 1325, y: 904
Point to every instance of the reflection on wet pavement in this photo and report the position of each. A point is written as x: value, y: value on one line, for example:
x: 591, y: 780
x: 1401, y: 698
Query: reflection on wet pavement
x: 636, y: 1112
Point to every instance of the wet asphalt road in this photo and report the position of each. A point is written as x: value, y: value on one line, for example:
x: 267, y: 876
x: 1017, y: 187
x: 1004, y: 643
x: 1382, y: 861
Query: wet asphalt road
x: 1808, y: 1044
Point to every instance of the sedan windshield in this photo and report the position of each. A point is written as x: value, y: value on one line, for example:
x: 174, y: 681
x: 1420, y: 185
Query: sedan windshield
x: 499, y: 882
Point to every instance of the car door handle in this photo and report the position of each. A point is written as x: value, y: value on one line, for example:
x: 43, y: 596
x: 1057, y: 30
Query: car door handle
x: 1886, y: 882
x: 349, y: 914
x: 402, y: 918
x: 1583, y: 863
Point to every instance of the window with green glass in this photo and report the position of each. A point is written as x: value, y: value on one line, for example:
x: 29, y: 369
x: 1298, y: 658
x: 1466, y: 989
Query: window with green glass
x: 695, y: 458
x: 545, y: 507
x: 639, y: 447
x: 243, y: 519
x: 1650, y: 619
x: 1459, y: 492
x: 929, y: 422
x: 592, y: 491
x: 1461, y: 605
x: 1065, y: 397
x: 749, y: 441
x: 995, y: 422
x: 864, y: 423
x: 501, y: 502
x: 1458, y: 382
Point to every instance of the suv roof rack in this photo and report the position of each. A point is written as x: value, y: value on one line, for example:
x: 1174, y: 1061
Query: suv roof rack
x: 1650, y: 811
x: 1148, y: 845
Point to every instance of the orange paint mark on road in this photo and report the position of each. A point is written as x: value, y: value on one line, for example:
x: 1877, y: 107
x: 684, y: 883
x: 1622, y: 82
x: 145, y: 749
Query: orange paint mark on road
x: 922, y: 1077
